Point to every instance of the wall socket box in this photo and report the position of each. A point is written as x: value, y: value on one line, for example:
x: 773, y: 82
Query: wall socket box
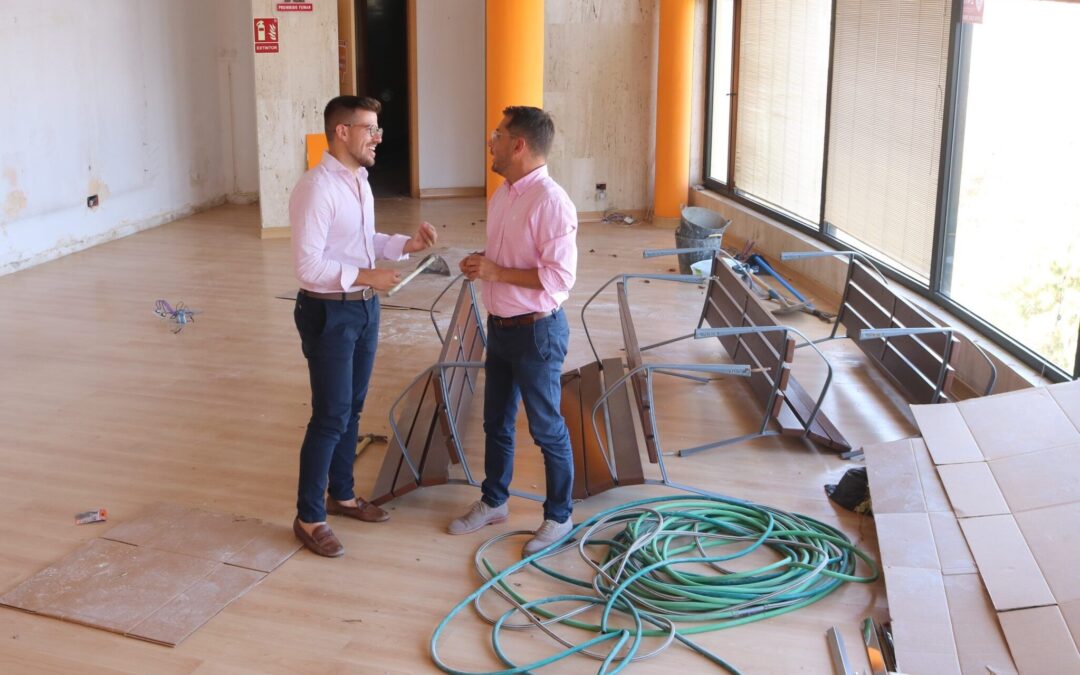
x: 92, y: 202
x: 601, y: 192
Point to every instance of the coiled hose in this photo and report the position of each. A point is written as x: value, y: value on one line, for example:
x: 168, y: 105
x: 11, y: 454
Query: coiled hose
x: 663, y: 573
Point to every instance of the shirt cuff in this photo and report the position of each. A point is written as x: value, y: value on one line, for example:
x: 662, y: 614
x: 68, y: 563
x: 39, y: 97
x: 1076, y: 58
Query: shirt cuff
x: 348, y: 276
x: 393, y: 250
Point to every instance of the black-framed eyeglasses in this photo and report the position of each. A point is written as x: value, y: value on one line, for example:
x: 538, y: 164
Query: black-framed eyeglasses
x: 374, y: 131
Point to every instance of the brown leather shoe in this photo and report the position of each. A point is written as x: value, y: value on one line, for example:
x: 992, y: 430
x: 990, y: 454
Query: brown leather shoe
x: 365, y: 511
x: 321, y: 541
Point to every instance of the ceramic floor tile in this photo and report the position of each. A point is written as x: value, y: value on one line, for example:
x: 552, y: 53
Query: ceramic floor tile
x: 1071, y: 612
x: 980, y: 643
x: 906, y: 540
x: 1067, y: 395
x: 114, y: 586
x: 1053, y: 535
x: 972, y: 490
x: 952, y: 548
x: 922, y: 630
x: 1040, y: 641
x: 1039, y: 479
x: 271, y: 546
x: 147, y: 525
x: 894, y: 478
x: 197, y: 605
x: 216, y: 536
x: 1006, y: 563
x: 1017, y: 423
x: 946, y: 433
x: 163, y: 595
x: 76, y: 569
x: 929, y: 479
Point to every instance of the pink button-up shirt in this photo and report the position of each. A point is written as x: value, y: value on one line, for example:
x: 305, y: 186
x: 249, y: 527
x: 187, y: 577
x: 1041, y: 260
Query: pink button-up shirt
x: 332, y: 213
x: 531, y: 224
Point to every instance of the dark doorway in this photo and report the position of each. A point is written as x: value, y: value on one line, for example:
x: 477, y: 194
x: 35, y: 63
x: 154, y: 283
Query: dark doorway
x: 382, y: 72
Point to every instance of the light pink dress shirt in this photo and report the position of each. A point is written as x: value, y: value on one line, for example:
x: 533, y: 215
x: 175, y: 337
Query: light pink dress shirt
x: 332, y: 213
x: 531, y: 224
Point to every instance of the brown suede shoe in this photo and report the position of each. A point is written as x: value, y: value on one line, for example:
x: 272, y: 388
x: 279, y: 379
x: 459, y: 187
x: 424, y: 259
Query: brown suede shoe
x: 321, y: 541
x: 365, y: 511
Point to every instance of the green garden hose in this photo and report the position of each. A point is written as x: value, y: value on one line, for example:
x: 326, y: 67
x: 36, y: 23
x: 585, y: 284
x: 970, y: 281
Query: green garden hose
x: 663, y: 572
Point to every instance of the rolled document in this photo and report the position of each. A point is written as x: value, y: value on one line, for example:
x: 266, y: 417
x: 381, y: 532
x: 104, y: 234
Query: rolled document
x: 427, y: 262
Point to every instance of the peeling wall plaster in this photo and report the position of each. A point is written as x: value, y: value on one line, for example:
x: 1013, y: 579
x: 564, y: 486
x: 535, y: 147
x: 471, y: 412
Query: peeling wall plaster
x: 122, y: 99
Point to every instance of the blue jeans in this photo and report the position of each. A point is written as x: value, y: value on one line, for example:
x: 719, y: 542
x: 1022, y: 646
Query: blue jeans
x: 525, y: 362
x: 339, y: 340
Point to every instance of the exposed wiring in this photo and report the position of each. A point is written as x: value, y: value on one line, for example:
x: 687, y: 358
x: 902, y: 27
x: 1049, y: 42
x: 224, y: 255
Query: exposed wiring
x: 180, y: 314
x: 662, y: 567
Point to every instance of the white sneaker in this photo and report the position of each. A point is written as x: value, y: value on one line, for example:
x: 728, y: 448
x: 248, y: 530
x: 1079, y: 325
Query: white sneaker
x: 549, y: 533
x: 479, y: 515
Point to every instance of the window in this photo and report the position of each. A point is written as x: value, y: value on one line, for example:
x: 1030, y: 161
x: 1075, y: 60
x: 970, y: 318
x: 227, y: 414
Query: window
x: 780, y: 103
x: 1012, y: 244
x: 890, y: 62
x: 721, y: 58
x: 952, y: 152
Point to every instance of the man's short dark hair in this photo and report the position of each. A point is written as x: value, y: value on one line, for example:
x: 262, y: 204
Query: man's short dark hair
x: 340, y: 110
x: 532, y: 124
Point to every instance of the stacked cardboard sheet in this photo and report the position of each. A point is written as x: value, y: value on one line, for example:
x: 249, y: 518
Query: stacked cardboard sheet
x: 1010, y: 467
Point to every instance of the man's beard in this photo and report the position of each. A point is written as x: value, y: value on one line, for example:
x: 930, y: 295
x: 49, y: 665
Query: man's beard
x: 364, y: 159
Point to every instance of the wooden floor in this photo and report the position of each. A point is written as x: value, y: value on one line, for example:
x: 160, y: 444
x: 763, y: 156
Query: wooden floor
x: 105, y: 407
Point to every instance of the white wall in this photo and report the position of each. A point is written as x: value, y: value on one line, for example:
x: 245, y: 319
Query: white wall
x: 236, y: 87
x: 450, y: 92
x: 119, y: 98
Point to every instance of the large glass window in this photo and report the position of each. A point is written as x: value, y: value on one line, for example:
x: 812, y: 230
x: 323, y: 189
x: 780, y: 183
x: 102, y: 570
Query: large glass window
x: 890, y: 64
x: 952, y: 152
x: 780, y: 101
x: 1012, y: 250
x: 722, y: 53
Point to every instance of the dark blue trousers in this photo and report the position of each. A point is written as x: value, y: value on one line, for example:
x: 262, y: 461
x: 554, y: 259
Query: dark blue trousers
x: 339, y: 341
x: 525, y: 363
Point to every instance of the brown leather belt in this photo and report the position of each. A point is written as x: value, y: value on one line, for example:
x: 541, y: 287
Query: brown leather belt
x: 363, y: 294
x: 521, y: 319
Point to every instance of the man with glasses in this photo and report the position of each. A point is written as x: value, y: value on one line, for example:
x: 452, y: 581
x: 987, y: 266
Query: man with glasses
x: 334, y: 247
x: 527, y: 268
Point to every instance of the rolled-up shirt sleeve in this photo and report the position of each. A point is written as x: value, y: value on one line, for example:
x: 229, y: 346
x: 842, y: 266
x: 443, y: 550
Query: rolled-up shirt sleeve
x: 310, y: 215
x: 390, y: 246
x: 557, y: 240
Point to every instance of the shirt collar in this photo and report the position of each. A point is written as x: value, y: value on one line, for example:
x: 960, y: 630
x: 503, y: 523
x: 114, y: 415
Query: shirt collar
x: 521, y: 185
x: 332, y: 164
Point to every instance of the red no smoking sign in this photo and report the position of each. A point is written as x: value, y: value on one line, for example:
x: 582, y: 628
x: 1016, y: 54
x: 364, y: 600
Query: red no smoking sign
x: 266, y: 36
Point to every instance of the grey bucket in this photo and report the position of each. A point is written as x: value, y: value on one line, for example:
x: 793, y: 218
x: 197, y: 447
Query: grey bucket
x: 699, y: 228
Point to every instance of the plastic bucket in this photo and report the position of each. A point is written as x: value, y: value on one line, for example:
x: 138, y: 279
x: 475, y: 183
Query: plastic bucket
x: 699, y: 228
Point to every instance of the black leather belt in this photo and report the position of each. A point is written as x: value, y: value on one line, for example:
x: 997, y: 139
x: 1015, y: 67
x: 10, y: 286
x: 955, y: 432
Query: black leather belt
x: 363, y: 294
x: 521, y: 319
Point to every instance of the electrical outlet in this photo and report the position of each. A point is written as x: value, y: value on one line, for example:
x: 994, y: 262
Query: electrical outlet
x: 92, y: 202
x: 601, y: 192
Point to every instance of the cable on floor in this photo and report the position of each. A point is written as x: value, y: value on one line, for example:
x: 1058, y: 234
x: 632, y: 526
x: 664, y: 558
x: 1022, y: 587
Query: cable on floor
x: 180, y: 315
x: 661, y: 574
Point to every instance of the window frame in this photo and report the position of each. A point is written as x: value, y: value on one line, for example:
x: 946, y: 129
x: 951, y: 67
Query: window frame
x: 954, y: 112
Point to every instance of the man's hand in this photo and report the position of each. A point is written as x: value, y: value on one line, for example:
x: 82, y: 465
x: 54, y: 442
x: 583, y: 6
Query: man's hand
x: 380, y: 280
x: 478, y: 266
x: 425, y: 237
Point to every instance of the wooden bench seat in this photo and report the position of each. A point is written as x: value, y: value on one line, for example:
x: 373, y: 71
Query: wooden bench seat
x: 432, y: 420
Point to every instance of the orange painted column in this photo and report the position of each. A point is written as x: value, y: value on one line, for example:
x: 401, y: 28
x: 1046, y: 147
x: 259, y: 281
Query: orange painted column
x: 674, y: 78
x: 515, y: 63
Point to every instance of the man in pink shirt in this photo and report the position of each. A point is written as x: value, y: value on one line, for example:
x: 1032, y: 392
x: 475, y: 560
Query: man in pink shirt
x: 334, y: 247
x: 527, y: 270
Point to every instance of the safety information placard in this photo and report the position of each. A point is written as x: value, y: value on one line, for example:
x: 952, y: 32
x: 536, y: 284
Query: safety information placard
x: 266, y: 36
x: 293, y: 6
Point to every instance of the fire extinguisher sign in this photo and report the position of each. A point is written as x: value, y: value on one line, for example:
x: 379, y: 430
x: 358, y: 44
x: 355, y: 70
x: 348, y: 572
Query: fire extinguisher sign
x: 266, y: 36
